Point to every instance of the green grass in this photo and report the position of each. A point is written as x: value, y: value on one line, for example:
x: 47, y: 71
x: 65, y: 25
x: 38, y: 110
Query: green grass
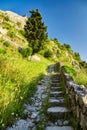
x: 70, y: 70
x: 18, y: 80
x: 81, y: 77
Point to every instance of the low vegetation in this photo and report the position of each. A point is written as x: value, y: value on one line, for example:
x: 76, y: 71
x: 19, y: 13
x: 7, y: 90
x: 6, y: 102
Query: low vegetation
x: 70, y: 70
x: 18, y: 79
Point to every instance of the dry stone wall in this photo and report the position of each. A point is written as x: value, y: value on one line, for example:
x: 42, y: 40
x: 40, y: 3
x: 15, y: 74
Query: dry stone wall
x: 78, y: 99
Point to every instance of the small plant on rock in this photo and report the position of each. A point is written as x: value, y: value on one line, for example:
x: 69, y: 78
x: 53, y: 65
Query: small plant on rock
x: 6, y: 43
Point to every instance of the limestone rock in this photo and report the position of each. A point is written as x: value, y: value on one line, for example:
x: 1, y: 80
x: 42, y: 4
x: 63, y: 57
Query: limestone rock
x: 3, y: 31
x: 16, y: 18
x: 56, y: 94
x: 58, y: 112
x: 34, y: 58
x: 56, y: 102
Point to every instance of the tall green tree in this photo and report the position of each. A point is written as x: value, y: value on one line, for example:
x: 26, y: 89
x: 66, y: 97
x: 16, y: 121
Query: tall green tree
x: 35, y: 31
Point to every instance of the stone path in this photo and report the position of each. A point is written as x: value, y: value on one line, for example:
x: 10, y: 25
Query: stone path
x: 32, y: 114
x: 58, y: 114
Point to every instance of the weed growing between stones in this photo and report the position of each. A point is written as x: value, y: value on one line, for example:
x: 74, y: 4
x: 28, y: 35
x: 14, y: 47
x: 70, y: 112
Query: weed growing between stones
x: 43, y: 112
x: 75, y: 123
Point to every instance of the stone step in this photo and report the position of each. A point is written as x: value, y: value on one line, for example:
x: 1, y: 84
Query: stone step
x: 55, y: 81
x: 60, y: 97
x: 55, y: 84
x: 58, y: 113
x: 56, y: 94
x: 59, y: 128
x: 55, y: 88
x: 56, y: 76
x: 56, y: 102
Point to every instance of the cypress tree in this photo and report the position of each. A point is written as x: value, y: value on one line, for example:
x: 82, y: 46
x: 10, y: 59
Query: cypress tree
x: 35, y: 31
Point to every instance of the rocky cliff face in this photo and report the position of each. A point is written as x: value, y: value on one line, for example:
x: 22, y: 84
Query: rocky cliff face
x: 15, y: 18
x: 11, y: 28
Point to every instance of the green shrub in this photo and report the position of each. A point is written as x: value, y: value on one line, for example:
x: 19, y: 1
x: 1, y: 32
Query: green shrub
x: 67, y: 46
x: 77, y: 56
x: 47, y: 53
x: 19, y: 24
x: 1, y: 39
x: 11, y: 34
x: 70, y: 70
x: 6, y: 25
x: 26, y: 52
x: 2, y: 51
x: 6, y: 18
x: 42, y: 52
x: 83, y: 64
x: 6, y: 43
x: 22, y: 32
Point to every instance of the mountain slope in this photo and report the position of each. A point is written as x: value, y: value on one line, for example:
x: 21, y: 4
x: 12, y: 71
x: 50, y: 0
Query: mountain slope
x: 11, y: 28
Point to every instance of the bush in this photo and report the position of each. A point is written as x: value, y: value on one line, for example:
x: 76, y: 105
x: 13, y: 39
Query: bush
x: 6, y: 18
x: 2, y: 51
x: 47, y: 53
x: 67, y: 46
x: 1, y: 39
x: 26, y: 52
x: 77, y: 56
x: 19, y: 24
x: 6, y: 43
x: 41, y: 52
x: 83, y: 64
x: 69, y: 70
x: 11, y: 34
x: 22, y: 32
x: 6, y: 25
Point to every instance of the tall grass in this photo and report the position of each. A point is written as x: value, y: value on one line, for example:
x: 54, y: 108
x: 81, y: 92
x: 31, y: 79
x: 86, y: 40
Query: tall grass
x: 81, y: 77
x: 18, y: 79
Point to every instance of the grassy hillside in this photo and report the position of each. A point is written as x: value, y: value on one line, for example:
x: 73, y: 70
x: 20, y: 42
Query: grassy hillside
x: 19, y: 76
x: 18, y: 79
